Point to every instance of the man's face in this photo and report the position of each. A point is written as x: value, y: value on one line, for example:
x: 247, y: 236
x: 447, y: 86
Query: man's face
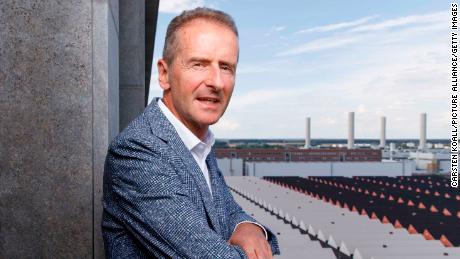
x: 199, y: 82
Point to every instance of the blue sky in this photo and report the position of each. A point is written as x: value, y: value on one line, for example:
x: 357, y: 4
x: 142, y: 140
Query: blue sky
x: 323, y: 59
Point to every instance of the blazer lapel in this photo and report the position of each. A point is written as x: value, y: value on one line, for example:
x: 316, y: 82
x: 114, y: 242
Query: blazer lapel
x: 215, y: 184
x: 212, y: 166
x: 164, y: 129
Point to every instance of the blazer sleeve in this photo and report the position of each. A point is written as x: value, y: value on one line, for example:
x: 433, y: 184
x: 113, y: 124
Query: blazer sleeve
x: 151, y: 201
x: 237, y: 215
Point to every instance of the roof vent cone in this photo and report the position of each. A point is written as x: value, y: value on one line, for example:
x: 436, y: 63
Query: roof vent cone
x: 351, y: 130
x: 294, y: 222
x: 311, y: 230
x: 287, y: 218
x: 302, y: 226
x: 321, y: 236
x: 269, y: 207
x: 357, y: 254
x: 343, y: 248
x: 331, y: 242
x: 281, y: 214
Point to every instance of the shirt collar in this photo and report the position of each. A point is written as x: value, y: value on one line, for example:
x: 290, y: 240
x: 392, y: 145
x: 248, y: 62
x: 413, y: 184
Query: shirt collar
x: 191, y: 141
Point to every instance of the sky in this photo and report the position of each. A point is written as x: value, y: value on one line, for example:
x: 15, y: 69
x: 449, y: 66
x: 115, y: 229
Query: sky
x: 323, y: 59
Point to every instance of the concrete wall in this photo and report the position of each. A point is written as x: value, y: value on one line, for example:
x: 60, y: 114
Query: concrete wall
x: 261, y: 169
x: 59, y: 110
x: 132, y: 62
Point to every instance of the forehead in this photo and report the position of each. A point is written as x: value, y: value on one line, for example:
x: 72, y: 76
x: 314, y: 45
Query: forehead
x: 206, y: 37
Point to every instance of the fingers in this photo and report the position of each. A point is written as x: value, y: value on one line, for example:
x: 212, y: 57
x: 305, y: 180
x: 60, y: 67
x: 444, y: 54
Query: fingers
x: 269, y: 250
x: 251, y: 254
x: 251, y: 239
x: 263, y: 251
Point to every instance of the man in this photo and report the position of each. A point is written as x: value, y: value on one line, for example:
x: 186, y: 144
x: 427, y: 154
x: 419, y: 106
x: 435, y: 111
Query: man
x: 164, y: 196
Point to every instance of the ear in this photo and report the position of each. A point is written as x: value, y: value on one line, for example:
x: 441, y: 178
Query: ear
x: 163, y: 71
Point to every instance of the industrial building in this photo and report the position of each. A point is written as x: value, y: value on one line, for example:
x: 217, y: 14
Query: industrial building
x: 301, y: 155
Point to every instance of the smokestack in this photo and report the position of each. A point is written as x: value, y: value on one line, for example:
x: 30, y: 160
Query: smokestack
x: 351, y: 130
x: 383, y: 122
x: 422, y: 143
x: 307, y: 133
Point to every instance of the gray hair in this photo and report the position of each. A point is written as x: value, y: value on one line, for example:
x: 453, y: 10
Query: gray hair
x: 171, y: 43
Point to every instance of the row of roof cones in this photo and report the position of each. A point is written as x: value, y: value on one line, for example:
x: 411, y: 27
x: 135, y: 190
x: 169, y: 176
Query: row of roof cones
x: 411, y: 229
x: 400, y: 200
x: 303, y: 228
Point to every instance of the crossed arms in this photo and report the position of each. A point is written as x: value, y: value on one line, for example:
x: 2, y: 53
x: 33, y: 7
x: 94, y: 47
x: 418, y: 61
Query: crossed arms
x: 161, y: 208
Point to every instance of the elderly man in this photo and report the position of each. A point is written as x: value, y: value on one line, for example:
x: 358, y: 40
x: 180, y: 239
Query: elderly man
x: 164, y: 195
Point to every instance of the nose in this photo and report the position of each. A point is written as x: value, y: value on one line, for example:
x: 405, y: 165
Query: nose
x: 215, y: 79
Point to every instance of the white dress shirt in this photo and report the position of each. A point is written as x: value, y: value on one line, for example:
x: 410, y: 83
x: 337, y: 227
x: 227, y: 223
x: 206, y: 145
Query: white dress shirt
x: 199, y: 149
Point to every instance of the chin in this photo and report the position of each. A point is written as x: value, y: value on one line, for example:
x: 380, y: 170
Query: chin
x: 210, y: 120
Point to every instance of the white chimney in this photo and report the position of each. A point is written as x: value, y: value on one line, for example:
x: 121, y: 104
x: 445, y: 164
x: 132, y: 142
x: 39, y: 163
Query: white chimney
x: 351, y: 130
x: 383, y: 122
x: 307, y: 133
x: 422, y: 143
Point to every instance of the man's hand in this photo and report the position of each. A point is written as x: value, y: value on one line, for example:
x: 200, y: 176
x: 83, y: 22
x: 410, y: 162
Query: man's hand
x: 251, y: 239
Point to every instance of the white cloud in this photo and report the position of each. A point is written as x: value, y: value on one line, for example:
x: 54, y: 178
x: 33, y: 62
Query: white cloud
x: 280, y: 28
x: 399, y: 74
x: 321, y: 44
x: 415, y: 24
x: 177, y: 6
x: 337, y: 26
x: 404, y: 21
x: 260, y: 98
x: 225, y: 124
x: 254, y: 69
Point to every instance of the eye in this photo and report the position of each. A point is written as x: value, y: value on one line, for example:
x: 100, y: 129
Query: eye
x: 198, y: 65
x: 227, y: 68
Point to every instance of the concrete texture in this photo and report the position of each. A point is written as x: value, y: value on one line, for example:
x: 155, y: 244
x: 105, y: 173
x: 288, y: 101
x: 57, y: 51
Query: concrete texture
x: 105, y: 103
x: 151, y: 17
x: 114, y: 13
x: 45, y: 137
x: 57, y: 85
x: 59, y: 109
x: 132, y: 60
x: 131, y: 103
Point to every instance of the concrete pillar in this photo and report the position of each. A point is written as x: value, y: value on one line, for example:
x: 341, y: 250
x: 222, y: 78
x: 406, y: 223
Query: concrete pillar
x: 307, y: 133
x: 383, y: 122
x: 132, y: 60
x: 59, y: 103
x: 351, y: 130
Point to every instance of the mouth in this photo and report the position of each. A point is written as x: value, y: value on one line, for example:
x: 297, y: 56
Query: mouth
x: 209, y: 100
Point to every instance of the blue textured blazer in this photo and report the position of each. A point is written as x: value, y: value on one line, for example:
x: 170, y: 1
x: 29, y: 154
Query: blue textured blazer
x: 156, y: 201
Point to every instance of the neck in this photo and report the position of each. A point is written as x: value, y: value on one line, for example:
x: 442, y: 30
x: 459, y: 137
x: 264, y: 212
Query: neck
x: 197, y: 130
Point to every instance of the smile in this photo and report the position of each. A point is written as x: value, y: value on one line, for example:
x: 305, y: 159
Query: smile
x: 207, y: 99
